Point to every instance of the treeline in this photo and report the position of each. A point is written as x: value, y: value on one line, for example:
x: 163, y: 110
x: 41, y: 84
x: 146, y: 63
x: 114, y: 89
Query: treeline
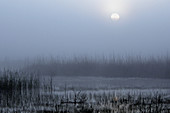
x: 151, y: 67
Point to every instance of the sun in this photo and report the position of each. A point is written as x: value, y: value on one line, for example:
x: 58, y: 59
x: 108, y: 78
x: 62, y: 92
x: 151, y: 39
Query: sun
x: 115, y: 16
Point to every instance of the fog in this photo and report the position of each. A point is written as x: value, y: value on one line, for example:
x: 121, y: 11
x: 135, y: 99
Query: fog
x: 30, y: 28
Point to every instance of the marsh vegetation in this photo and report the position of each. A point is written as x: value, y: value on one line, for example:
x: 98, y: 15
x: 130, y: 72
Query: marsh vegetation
x: 84, y: 85
x: 23, y: 92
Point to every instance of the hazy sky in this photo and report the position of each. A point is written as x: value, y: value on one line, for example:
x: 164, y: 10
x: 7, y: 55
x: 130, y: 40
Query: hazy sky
x: 83, y: 27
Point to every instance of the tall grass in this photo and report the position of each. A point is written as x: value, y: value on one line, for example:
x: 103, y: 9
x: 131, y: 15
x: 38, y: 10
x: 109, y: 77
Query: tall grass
x: 17, y: 87
x: 24, y: 92
x: 108, y: 67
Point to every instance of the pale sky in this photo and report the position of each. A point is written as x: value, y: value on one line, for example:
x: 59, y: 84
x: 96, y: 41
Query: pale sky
x: 30, y: 28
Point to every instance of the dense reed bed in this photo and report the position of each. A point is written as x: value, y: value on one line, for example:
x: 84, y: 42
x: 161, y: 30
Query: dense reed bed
x: 32, y: 87
x: 16, y: 88
x: 23, y: 92
x: 151, y: 67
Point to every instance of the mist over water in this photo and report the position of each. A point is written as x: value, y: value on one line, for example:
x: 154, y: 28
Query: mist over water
x: 38, y: 34
x: 73, y: 28
x: 85, y: 56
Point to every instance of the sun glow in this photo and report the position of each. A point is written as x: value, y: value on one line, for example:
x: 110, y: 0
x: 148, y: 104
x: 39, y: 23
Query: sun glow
x: 115, y: 16
x: 118, y: 6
